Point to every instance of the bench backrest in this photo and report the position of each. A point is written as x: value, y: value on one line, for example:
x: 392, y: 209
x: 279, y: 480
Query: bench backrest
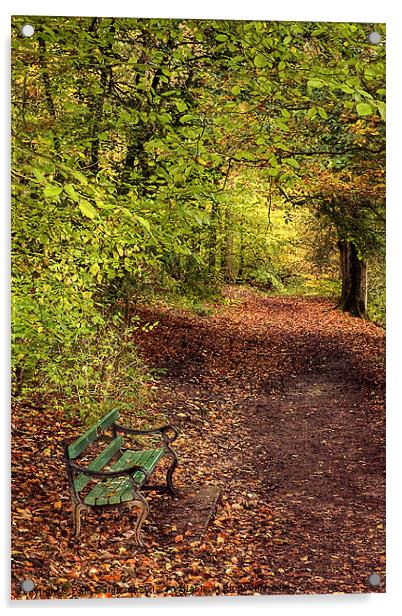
x: 83, y: 441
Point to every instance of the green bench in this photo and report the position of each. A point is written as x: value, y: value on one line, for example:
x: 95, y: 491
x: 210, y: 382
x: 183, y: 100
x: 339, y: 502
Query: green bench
x: 128, y: 471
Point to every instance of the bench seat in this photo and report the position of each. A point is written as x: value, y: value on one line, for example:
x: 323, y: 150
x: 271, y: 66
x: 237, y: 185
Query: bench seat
x: 119, y: 489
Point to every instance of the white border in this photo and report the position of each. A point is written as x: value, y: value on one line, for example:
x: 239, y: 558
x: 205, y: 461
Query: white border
x: 338, y: 10
x: 342, y: 10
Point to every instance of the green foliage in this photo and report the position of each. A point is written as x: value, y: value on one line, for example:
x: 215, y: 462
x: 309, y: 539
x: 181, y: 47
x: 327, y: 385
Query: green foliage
x: 314, y: 286
x: 173, y: 156
x: 376, y: 299
x: 265, y: 279
x: 96, y: 374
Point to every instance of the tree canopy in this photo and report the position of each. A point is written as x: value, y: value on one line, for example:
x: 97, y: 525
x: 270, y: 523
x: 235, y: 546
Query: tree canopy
x: 145, y: 153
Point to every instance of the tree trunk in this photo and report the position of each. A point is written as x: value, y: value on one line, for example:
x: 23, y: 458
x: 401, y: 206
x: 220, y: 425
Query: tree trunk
x: 354, y: 280
x: 48, y: 91
x: 241, y: 254
x: 228, y: 247
x: 97, y: 121
x: 213, y: 237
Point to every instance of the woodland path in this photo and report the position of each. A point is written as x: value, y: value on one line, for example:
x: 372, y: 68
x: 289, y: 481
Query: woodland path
x: 280, y: 403
x: 281, y: 399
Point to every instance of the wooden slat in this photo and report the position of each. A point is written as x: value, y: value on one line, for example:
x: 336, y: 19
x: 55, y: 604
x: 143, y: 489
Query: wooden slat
x: 118, y: 489
x: 110, y: 492
x: 99, y: 463
x: 122, y: 491
x: 91, y: 434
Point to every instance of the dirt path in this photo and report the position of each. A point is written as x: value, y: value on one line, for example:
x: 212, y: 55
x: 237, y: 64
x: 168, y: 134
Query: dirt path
x: 280, y: 403
x: 281, y: 399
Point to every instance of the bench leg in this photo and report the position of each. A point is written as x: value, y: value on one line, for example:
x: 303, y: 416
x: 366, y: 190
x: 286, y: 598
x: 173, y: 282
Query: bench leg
x: 169, y: 475
x: 77, y: 508
x: 140, y: 501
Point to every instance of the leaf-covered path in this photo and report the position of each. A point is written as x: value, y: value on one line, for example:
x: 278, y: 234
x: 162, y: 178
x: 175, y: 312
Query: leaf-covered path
x: 280, y: 403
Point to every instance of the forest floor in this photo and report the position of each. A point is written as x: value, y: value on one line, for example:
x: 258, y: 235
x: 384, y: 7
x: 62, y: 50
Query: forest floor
x: 280, y: 406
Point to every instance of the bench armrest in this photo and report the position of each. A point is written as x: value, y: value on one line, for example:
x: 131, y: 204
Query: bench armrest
x: 163, y: 430
x: 107, y: 474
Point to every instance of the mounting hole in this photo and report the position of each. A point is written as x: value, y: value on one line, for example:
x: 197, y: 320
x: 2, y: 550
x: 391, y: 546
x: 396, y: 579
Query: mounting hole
x: 374, y: 38
x: 374, y: 579
x: 27, y: 585
x: 27, y: 30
